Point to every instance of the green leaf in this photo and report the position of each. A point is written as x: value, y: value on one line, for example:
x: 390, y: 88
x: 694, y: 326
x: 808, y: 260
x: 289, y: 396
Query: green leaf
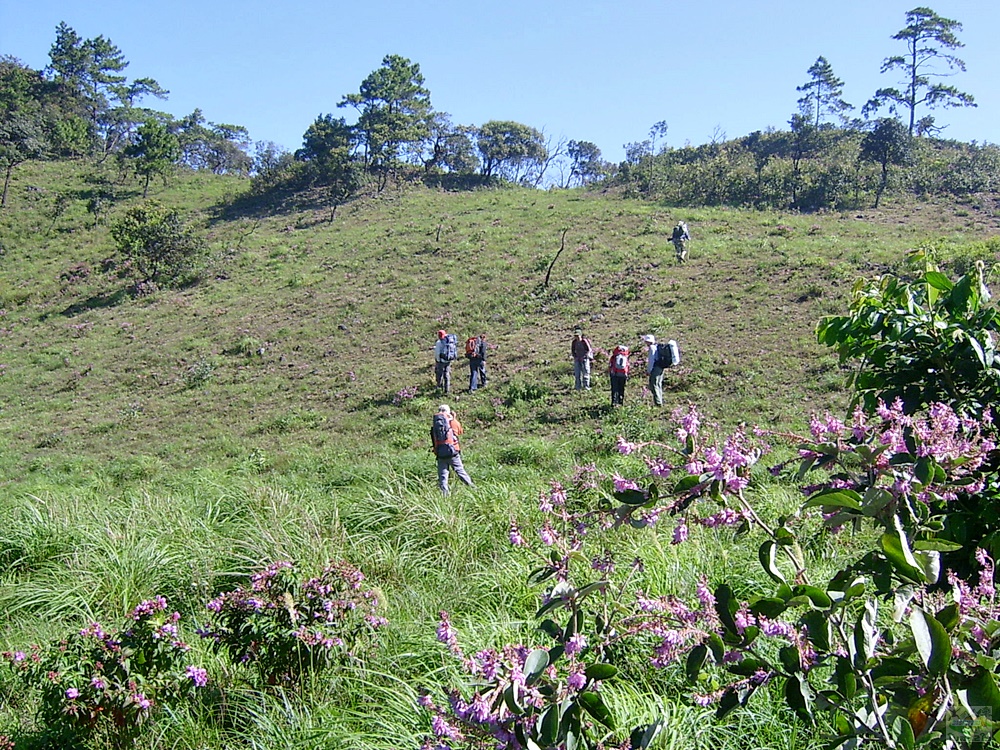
x: 725, y: 607
x: 932, y: 641
x: 817, y: 629
x: 848, y: 499
x: 600, y: 671
x: 542, y: 574
x: 717, y: 647
x: 767, y: 555
x: 799, y: 696
x: 771, y: 607
x: 897, y: 551
x: 695, y: 661
x: 938, y: 280
x: 978, y: 349
x: 817, y: 596
x: 902, y: 730
x: 535, y: 664
x: 590, y: 588
x: 865, y: 634
x: 643, y: 736
x: 631, y: 497
x: 923, y: 470
x: 593, y: 704
x: 937, y: 545
x: 686, y: 484
x: 548, y: 725
x: 789, y: 658
x: 982, y: 693
x: 510, y: 697
x: 550, y: 628
x: 847, y: 680
x: 729, y: 701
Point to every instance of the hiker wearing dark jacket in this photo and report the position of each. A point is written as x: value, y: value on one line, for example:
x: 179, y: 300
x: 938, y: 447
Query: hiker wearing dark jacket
x: 582, y: 352
x: 442, y: 363
x: 445, y: 429
x: 679, y: 237
x: 477, y: 365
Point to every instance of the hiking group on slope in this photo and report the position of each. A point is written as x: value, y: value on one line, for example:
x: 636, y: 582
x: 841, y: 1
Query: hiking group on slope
x: 445, y: 427
x: 446, y: 352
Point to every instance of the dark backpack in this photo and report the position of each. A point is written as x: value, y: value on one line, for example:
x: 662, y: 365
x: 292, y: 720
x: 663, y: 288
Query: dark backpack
x: 668, y: 354
x: 451, y: 347
x: 442, y: 436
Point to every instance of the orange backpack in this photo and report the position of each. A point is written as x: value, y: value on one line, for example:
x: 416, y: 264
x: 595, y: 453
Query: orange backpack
x: 471, y: 345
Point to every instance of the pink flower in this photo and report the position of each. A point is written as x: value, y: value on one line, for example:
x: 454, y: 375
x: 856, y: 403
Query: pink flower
x: 515, y: 535
x: 680, y: 532
x: 197, y: 675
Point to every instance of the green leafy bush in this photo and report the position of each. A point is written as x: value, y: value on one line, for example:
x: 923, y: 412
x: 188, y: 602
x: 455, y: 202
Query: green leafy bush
x: 154, y: 241
x: 282, y: 627
x: 926, y: 341
x: 109, y: 684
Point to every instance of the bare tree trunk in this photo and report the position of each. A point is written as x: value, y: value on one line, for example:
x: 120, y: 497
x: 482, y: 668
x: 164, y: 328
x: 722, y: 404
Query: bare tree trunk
x: 562, y: 245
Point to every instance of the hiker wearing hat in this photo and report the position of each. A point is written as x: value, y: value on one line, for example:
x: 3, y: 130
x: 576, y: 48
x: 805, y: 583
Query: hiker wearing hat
x: 445, y: 352
x: 582, y: 353
x: 445, y: 429
x: 654, y: 369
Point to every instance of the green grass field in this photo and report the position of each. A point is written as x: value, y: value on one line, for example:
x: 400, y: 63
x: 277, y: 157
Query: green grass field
x: 278, y: 406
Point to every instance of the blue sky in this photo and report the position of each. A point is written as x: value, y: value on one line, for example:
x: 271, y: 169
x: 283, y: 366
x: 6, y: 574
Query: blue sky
x: 578, y: 69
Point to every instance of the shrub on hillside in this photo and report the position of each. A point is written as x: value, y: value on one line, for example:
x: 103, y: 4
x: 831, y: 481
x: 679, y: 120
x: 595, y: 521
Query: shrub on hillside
x: 156, y: 243
x: 282, y: 627
x: 109, y: 684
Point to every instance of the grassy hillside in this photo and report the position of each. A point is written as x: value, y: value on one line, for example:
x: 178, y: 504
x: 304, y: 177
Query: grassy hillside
x: 277, y: 407
x: 300, y: 325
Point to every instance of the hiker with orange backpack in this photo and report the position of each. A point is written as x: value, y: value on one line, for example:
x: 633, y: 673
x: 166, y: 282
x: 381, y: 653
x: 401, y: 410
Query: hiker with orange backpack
x: 445, y: 429
x: 618, y: 368
x: 475, y: 350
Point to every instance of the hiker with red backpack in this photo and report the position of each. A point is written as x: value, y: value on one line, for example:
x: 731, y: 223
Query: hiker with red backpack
x: 445, y: 352
x: 618, y: 368
x: 445, y: 429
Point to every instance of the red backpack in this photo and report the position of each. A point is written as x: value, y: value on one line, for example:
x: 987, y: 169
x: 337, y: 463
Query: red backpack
x: 618, y: 364
x: 471, y: 345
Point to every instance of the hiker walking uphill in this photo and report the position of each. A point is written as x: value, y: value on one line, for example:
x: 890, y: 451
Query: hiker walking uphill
x: 618, y: 368
x: 582, y: 353
x: 475, y: 350
x: 445, y: 352
x: 679, y: 237
x: 445, y: 429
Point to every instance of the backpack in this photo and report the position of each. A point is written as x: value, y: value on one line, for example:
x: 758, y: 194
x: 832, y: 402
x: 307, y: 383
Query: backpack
x: 443, y: 438
x: 668, y: 354
x: 451, y: 347
x: 471, y: 345
x: 619, y: 362
x: 680, y: 232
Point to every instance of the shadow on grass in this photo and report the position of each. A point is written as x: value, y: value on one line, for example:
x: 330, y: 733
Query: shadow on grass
x: 96, y: 302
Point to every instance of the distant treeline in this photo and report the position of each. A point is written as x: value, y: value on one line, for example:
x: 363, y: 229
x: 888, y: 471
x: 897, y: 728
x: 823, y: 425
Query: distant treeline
x: 811, y: 168
x: 82, y: 105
